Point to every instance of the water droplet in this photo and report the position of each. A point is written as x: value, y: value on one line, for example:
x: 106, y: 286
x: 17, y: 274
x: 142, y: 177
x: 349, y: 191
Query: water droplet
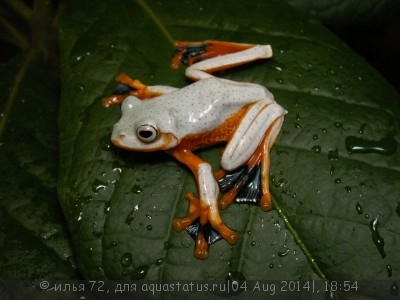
x: 79, y: 218
x: 332, y: 170
x: 167, y: 245
x: 338, y: 124
x: 271, y: 265
x: 149, y: 227
x: 79, y: 87
x: 105, y: 143
x: 159, y: 262
x: 359, y: 208
x: 107, y: 207
x: 386, y: 146
x: 316, y: 149
x: 338, y: 180
x: 80, y: 58
x: 297, y: 125
x: 280, y: 80
x: 394, y: 289
x: 333, y: 154
x: 362, y: 128
x: 376, y: 237
x: 389, y: 270
x: 140, y: 273
x: 253, y: 243
x: 89, y: 251
x: 131, y: 216
x: 283, y: 253
x: 281, y: 182
x: 235, y: 276
x: 136, y: 189
x: 98, y: 185
x: 113, y: 244
x: 315, y: 137
x: 126, y: 260
x: 278, y: 66
x: 348, y: 189
x: 116, y: 167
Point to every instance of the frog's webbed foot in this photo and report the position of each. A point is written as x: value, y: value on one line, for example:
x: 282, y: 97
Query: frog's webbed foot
x: 204, y: 227
x: 242, y: 185
x: 189, y: 53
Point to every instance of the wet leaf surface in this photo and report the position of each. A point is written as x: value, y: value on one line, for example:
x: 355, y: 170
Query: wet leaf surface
x: 336, y: 211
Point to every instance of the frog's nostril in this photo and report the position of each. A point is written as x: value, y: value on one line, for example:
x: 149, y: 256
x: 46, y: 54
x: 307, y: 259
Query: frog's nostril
x: 121, y: 135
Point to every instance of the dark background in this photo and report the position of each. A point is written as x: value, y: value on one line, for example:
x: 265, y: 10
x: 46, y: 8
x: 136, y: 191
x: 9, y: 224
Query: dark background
x: 379, y: 44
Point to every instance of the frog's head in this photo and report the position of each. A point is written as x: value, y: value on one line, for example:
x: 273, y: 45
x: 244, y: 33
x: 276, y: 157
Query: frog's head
x: 137, y: 131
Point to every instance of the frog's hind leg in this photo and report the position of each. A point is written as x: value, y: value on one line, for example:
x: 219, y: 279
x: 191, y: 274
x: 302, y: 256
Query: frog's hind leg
x: 189, y: 53
x: 204, y: 58
x: 248, y: 181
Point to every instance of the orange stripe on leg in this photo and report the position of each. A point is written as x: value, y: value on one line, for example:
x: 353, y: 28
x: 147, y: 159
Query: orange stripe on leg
x: 268, y: 141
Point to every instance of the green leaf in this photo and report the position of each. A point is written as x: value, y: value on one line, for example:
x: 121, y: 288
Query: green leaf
x: 34, y: 241
x: 337, y: 214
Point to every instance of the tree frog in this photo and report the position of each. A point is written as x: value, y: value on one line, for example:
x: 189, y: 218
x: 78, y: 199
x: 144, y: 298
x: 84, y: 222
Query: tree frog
x: 211, y: 110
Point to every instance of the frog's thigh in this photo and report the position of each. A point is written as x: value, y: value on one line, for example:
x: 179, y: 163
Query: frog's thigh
x: 250, y: 133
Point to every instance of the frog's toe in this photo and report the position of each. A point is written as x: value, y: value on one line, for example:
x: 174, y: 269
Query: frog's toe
x: 181, y: 224
x: 230, y: 236
x: 227, y: 199
x: 201, y: 251
x: 265, y: 202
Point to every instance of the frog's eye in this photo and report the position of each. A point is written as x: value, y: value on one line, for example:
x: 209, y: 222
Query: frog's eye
x: 146, y: 133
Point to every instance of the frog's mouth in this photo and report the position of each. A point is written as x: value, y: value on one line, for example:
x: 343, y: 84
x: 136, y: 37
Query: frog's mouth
x: 163, y: 142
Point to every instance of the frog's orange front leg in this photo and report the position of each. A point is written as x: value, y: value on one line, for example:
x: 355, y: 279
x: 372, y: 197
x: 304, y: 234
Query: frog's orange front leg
x: 129, y: 87
x: 204, y: 208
